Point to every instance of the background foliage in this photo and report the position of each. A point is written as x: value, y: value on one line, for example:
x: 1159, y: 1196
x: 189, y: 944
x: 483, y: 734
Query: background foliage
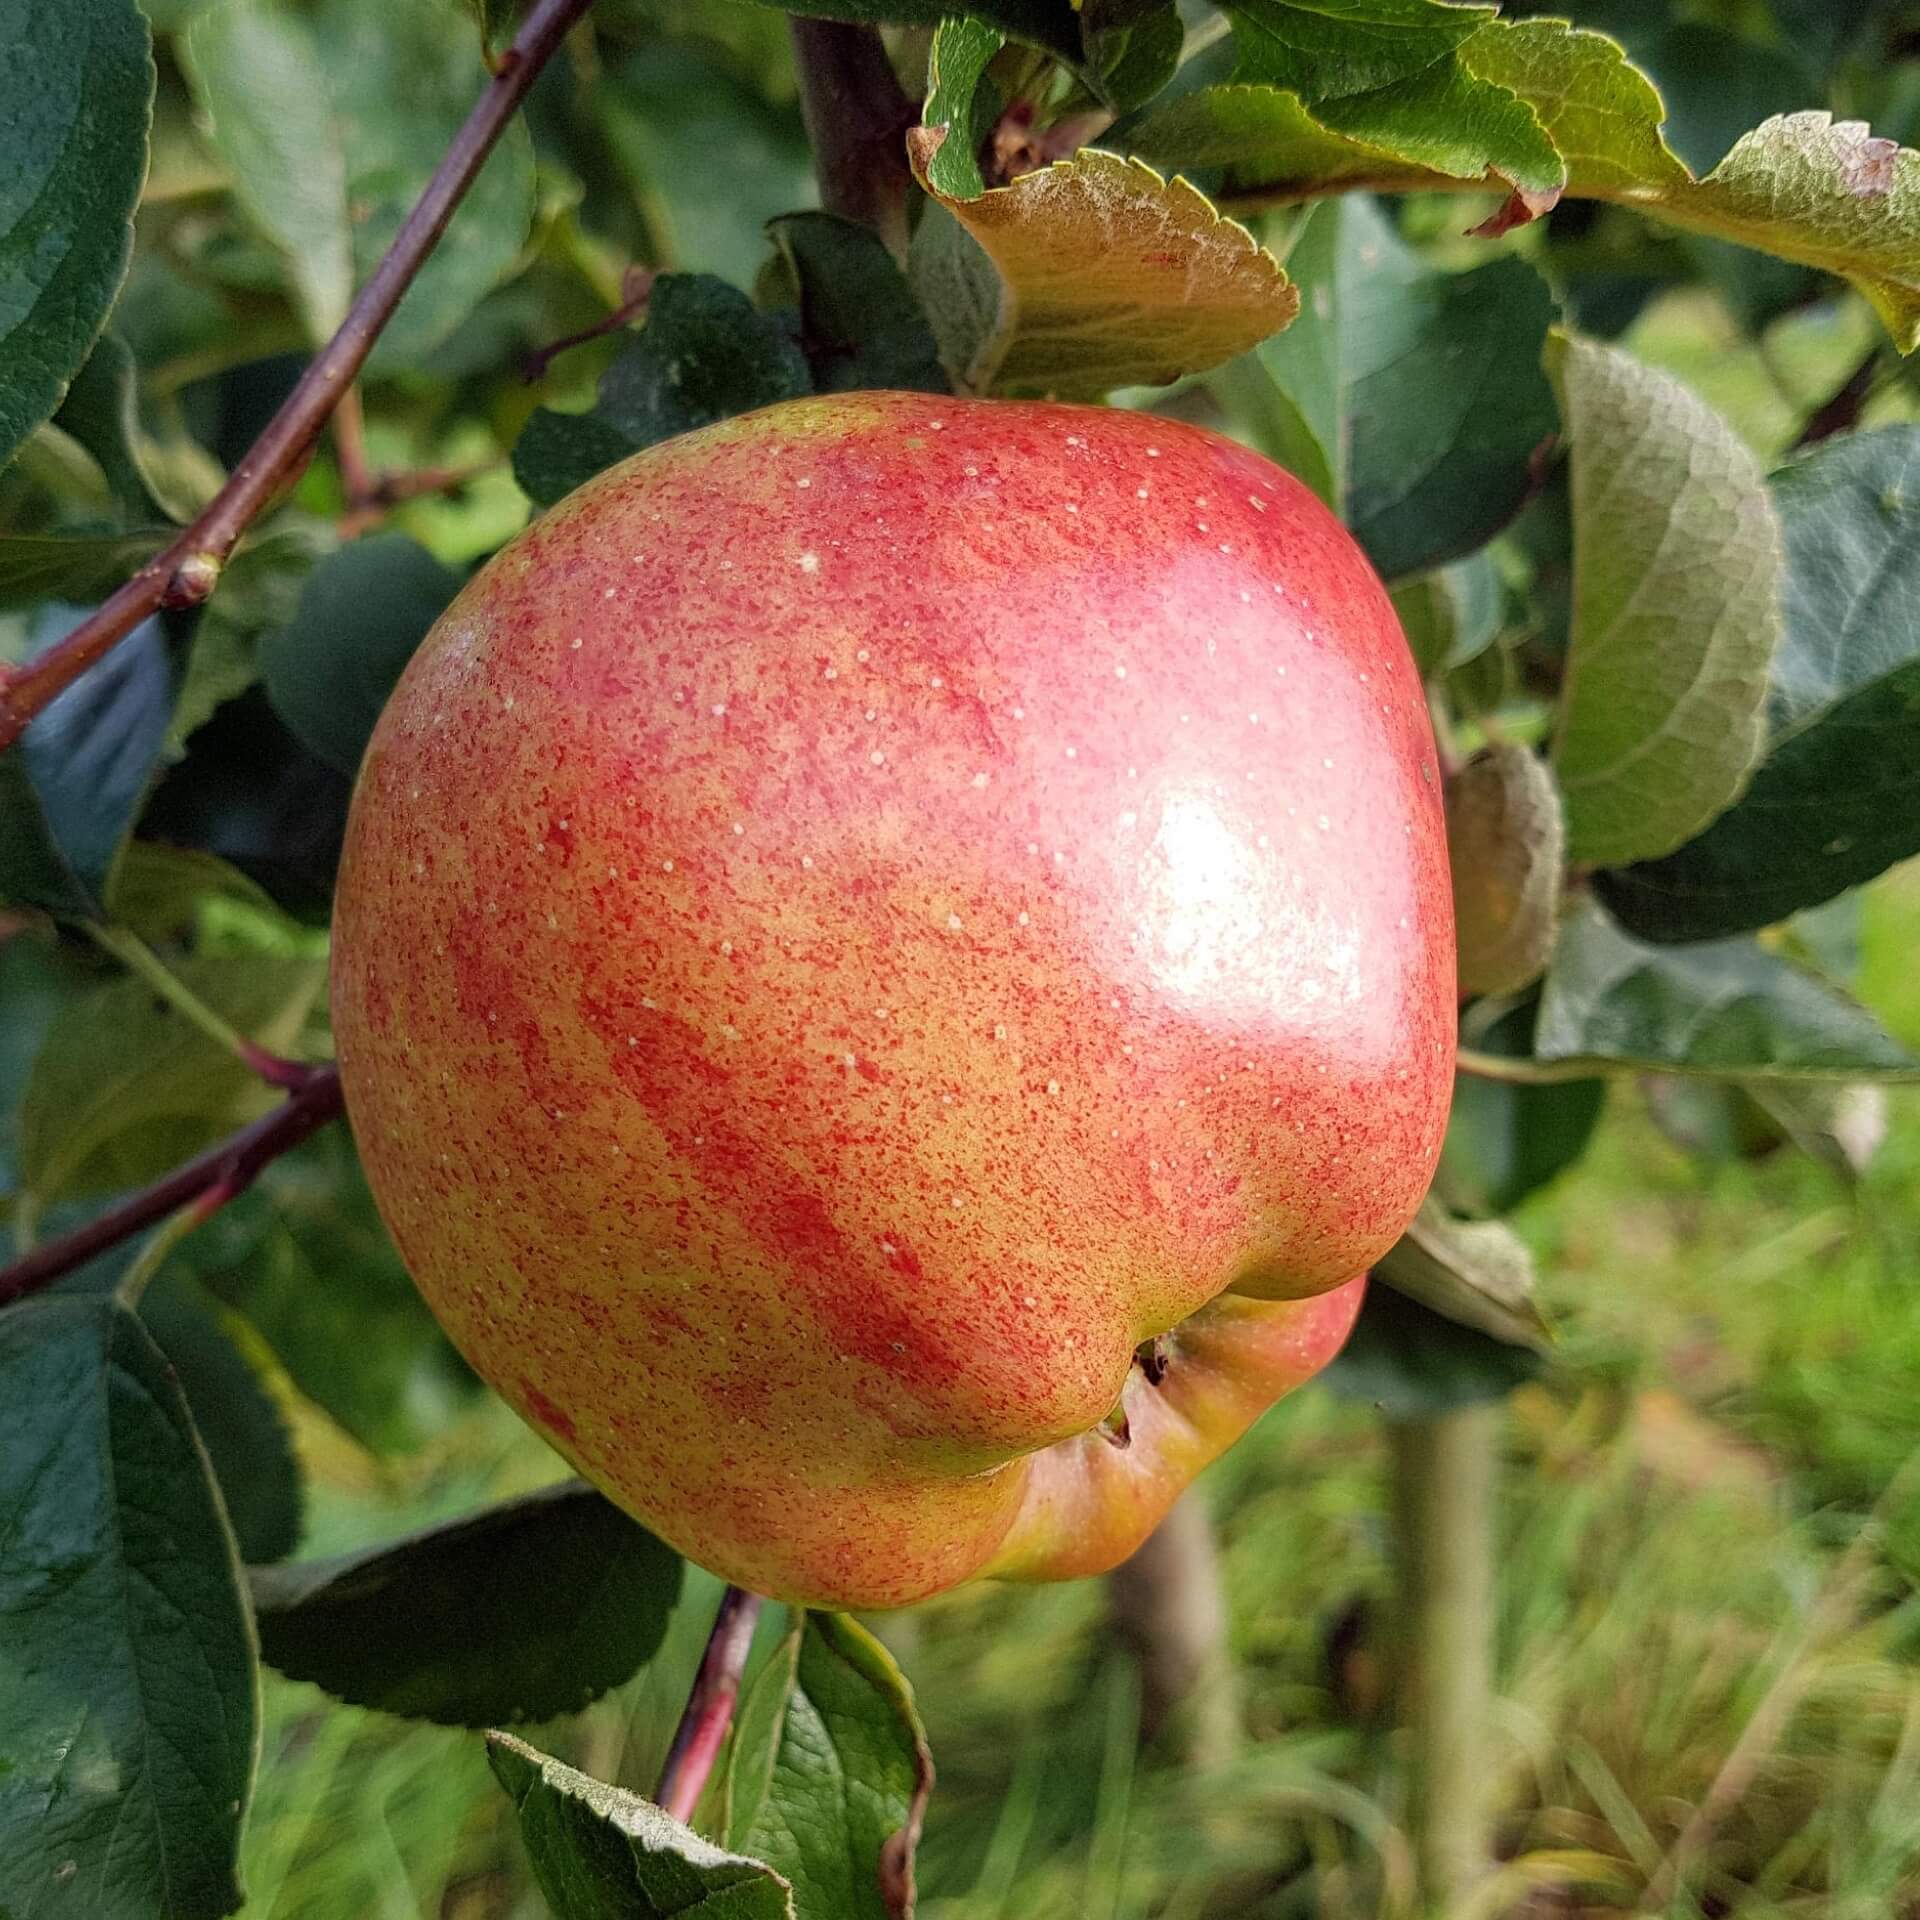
x: 1594, y: 343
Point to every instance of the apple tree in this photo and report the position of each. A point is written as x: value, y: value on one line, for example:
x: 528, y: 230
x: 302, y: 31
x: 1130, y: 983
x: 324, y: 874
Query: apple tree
x: 307, y: 305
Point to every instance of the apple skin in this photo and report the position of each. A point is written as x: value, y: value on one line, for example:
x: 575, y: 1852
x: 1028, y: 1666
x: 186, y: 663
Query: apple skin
x: 857, y: 919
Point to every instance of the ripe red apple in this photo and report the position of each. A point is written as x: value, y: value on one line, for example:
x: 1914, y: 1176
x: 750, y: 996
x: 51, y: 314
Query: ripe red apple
x: 863, y: 916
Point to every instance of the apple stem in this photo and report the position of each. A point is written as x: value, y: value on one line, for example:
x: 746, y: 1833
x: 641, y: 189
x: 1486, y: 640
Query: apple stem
x: 709, y: 1712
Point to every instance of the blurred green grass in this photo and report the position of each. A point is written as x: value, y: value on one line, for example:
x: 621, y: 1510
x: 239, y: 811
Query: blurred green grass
x: 1708, y: 1555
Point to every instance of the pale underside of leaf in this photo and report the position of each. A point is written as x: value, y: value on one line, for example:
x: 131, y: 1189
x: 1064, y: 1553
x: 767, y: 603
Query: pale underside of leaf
x: 1676, y: 610
x: 1109, y: 276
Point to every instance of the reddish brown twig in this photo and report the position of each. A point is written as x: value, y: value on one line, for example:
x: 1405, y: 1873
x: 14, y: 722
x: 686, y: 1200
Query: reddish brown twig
x: 703, y: 1726
x: 1840, y: 412
x: 636, y: 287
x: 385, y: 491
x: 206, y: 1183
x: 857, y: 116
x: 184, y: 573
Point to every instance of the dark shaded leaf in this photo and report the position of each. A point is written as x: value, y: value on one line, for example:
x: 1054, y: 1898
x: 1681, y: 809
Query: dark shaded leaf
x: 600, y: 1853
x: 249, y: 792
x: 1411, y: 397
x: 1446, y: 403
x: 71, y: 790
x: 1412, y: 1364
x: 705, y: 352
x: 1729, y: 1009
x: 243, y: 1431
x: 860, y: 324
x: 303, y: 1257
x: 128, y: 1698
x: 361, y: 613
x: 1505, y: 1142
x: 1836, y: 798
x: 101, y: 412
x: 73, y: 127
x: 519, y: 1612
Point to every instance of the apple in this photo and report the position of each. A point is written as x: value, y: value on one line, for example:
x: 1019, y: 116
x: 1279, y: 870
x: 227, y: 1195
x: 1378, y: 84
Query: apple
x: 894, y: 963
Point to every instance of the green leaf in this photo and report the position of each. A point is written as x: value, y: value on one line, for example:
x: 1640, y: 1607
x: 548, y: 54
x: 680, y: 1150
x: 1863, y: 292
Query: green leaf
x: 69, y: 792
x: 957, y: 63
x: 1445, y: 405
x: 1412, y: 1363
x: 1675, y: 609
x: 244, y: 1432
x: 710, y: 156
x: 128, y: 1696
x: 1421, y: 389
x: 401, y: 87
x: 1337, y: 49
x: 600, y: 1853
x: 38, y: 974
x: 1729, y: 1009
x: 1288, y: 395
x: 362, y: 612
x: 844, y: 1798
x: 1802, y: 186
x: 101, y: 412
x: 1506, y: 1141
x: 73, y: 127
x: 1090, y: 274
x: 262, y: 83
x: 1836, y: 799
x: 754, y: 1744
x: 1476, y: 1272
x: 124, y: 1087
x: 1391, y: 73
x: 157, y: 891
x: 258, y: 593
x: 557, y: 452
x: 303, y: 1257
x: 71, y: 566
x: 704, y: 353
x: 519, y: 1612
x: 1450, y: 616
x: 860, y: 325
x: 1051, y: 24
x: 1130, y: 53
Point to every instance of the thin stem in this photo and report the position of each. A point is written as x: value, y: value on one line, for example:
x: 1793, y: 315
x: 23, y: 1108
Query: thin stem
x: 1518, y: 1072
x: 164, y: 1238
x: 137, y: 957
x: 857, y: 116
x: 184, y: 573
x: 1840, y: 412
x: 350, y: 448
x: 210, y: 1180
x: 709, y: 1712
x: 636, y: 289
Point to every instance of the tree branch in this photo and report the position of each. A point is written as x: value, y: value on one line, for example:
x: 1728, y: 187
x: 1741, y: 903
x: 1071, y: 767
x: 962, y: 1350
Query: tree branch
x: 857, y: 116
x: 703, y: 1726
x: 211, y: 1180
x: 186, y: 572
